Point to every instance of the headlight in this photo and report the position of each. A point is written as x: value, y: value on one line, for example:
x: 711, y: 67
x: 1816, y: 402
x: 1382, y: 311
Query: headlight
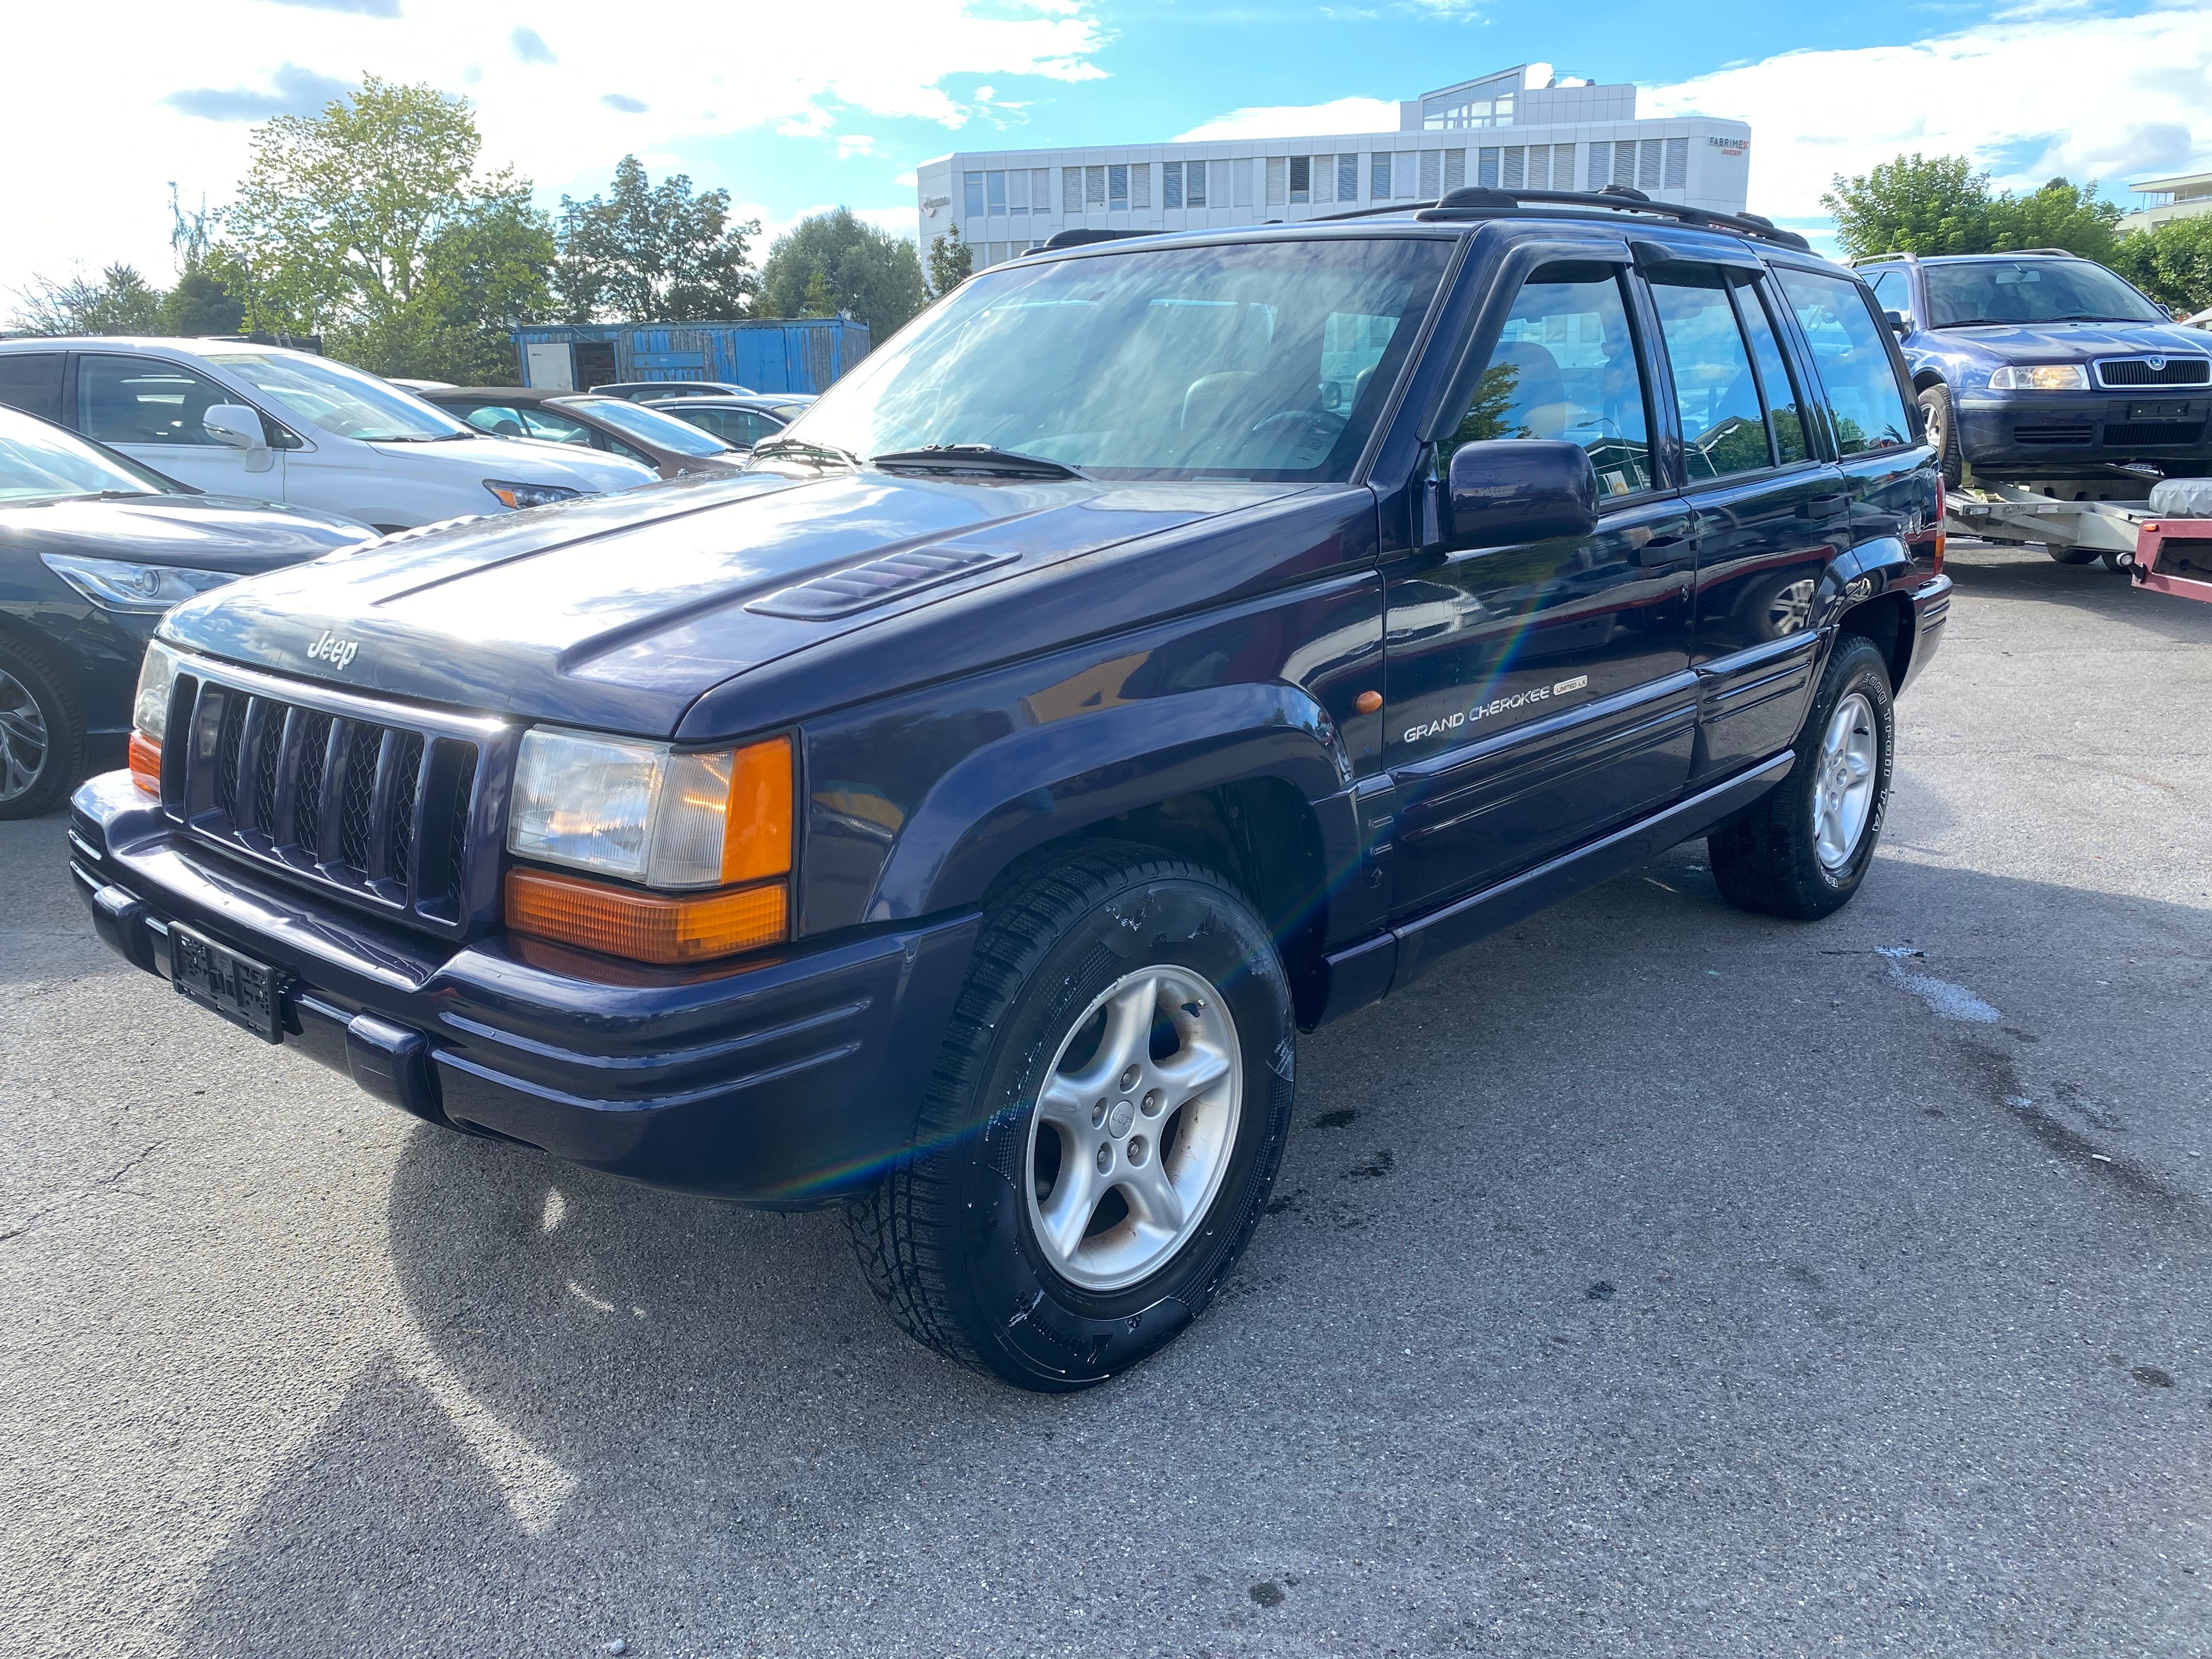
x: 519, y: 495
x: 150, y: 716
x: 2041, y: 377
x: 141, y: 589
x: 647, y: 813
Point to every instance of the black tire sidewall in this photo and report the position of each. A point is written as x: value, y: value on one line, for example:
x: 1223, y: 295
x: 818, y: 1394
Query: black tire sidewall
x: 1052, y: 1333
x: 1949, y: 457
x: 1856, y: 666
x: 65, y: 758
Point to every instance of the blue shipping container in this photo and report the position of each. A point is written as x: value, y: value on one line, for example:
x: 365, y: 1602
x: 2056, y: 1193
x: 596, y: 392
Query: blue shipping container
x: 795, y: 355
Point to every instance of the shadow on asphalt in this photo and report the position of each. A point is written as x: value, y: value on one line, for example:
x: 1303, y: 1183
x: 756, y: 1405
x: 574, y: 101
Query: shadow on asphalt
x: 2090, y: 588
x: 1810, y: 1310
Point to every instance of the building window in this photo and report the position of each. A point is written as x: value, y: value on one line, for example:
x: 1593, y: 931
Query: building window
x: 994, y: 192
x: 1171, y: 184
x: 1432, y: 173
x: 1278, y: 187
x: 1470, y: 112
x: 1071, y: 191
x: 1141, y: 184
x: 1678, y: 164
x: 1018, y: 191
x: 1487, y: 174
x: 1647, y: 165
x: 1601, y: 165
x: 1194, y: 184
x: 1513, y: 175
x: 1623, y: 161
x: 1347, y: 178
x: 1117, y: 189
x: 1301, y: 178
x: 1378, y: 177
x: 1094, y: 188
x: 1454, y: 170
x: 975, y: 195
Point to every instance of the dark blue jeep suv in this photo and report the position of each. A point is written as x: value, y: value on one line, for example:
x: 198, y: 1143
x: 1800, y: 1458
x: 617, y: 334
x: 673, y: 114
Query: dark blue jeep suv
x: 2038, y: 365
x: 1160, y: 648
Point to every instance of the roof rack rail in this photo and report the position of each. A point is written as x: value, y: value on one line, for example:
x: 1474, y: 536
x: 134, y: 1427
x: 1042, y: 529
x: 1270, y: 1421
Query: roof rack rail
x: 2062, y: 252
x: 1479, y: 201
x: 1061, y: 239
x: 1858, y: 259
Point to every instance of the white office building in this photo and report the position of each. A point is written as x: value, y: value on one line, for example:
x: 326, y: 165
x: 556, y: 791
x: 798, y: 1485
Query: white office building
x: 1519, y: 129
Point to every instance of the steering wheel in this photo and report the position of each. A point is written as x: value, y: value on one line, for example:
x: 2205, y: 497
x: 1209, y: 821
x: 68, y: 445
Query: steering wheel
x: 1324, y: 427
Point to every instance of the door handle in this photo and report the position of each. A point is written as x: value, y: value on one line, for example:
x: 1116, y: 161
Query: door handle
x: 1661, y: 552
x: 1822, y: 506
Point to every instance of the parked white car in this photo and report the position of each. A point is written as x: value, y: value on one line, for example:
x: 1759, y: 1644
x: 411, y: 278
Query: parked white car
x: 278, y: 425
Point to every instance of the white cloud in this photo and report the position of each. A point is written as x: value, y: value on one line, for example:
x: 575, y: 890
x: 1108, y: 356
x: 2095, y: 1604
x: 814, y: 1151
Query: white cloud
x: 1297, y: 120
x: 2034, y: 94
x: 739, y: 68
x: 854, y: 143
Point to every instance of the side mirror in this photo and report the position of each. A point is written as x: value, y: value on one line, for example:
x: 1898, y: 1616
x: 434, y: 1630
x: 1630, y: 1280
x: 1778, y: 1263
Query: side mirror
x: 1897, y: 322
x: 1502, y: 491
x: 239, y: 426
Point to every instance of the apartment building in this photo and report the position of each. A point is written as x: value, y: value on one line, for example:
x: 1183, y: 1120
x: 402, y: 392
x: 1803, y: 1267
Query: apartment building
x: 1521, y: 127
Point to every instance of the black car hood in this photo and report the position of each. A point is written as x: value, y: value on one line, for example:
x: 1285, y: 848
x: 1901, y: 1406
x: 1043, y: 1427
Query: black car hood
x: 200, y: 532
x: 2065, y: 342
x: 618, y: 612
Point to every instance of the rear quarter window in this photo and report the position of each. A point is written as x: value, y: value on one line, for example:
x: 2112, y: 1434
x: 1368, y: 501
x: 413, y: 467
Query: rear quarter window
x: 1851, y: 349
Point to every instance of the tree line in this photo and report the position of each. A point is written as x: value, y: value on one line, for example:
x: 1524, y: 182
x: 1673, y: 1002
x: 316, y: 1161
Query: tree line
x: 373, y: 227
x: 1929, y: 204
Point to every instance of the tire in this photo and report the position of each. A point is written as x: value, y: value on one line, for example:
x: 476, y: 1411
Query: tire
x: 976, y: 1242
x: 1943, y: 435
x: 2070, y: 554
x: 1773, y: 858
x: 2114, y: 562
x: 41, y: 735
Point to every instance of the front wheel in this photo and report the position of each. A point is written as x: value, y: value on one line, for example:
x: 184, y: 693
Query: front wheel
x: 1943, y: 430
x: 1102, y: 1128
x: 41, y: 735
x: 1802, y: 849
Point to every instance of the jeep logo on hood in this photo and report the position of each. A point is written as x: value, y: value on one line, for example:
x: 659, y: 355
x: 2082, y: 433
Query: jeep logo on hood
x: 338, y: 653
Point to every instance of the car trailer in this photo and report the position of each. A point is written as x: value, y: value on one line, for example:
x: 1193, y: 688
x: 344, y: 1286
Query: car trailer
x: 2162, y: 540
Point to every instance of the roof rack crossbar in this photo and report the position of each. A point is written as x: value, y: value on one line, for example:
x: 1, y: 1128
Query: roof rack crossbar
x: 1482, y: 200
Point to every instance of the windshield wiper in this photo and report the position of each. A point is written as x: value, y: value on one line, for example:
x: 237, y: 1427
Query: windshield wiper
x: 803, y: 448
x: 975, y: 458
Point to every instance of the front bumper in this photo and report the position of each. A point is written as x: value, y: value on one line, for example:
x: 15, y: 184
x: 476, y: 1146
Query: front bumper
x: 788, y: 1083
x: 2025, y: 431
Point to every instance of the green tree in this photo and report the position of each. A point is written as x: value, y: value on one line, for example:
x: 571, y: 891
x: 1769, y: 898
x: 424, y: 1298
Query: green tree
x: 1913, y: 205
x: 2171, y: 262
x: 2060, y: 215
x: 951, y: 261
x: 648, y: 253
x: 347, y: 224
x: 121, y: 302
x: 200, y: 304
x: 870, y: 275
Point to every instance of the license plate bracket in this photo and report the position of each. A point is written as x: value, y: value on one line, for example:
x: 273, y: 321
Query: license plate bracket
x: 2173, y: 411
x: 246, y: 993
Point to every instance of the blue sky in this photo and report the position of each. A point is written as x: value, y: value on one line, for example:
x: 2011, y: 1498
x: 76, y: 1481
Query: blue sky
x: 792, y: 114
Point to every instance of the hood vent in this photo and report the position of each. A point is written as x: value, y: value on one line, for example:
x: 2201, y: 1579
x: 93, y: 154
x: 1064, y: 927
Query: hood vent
x: 891, y: 577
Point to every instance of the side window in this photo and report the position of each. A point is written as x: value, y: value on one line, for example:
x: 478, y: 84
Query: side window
x: 1893, y: 292
x: 1783, y: 409
x: 1723, y: 428
x: 555, y: 427
x: 1565, y: 367
x: 1850, y: 347
x: 751, y: 428
x: 497, y: 419
x: 32, y: 381
x: 629, y: 453
x: 144, y: 400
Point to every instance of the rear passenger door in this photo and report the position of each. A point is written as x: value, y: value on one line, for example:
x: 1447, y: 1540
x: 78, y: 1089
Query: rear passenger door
x: 1539, y: 694
x: 1769, y: 514
x: 150, y: 408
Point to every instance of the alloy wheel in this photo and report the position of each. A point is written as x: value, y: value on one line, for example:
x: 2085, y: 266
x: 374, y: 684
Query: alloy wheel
x: 23, y: 741
x: 1843, y: 784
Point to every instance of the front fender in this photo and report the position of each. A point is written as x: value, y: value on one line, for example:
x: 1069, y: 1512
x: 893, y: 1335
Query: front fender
x: 1038, y: 783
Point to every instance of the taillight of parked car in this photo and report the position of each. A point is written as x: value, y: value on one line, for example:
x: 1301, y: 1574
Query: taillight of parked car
x: 699, y: 845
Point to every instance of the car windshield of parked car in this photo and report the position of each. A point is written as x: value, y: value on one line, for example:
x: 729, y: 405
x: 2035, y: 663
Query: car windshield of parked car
x: 1268, y: 360
x: 342, y: 401
x: 651, y: 426
x: 2033, y: 291
x: 39, y: 462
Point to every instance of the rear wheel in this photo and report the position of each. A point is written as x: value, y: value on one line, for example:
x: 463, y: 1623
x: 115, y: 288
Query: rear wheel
x: 1943, y: 433
x: 1803, y: 848
x: 1103, y: 1126
x: 41, y: 735
x: 2070, y: 554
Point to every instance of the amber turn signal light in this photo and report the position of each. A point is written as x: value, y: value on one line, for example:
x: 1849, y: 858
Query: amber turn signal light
x: 622, y: 921
x: 145, y: 764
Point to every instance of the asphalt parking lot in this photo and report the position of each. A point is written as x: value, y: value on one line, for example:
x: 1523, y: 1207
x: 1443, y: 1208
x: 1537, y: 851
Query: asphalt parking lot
x: 1652, y: 1279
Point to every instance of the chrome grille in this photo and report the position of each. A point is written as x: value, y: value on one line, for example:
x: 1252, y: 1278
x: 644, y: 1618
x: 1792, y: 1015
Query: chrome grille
x: 375, y: 801
x: 2140, y: 371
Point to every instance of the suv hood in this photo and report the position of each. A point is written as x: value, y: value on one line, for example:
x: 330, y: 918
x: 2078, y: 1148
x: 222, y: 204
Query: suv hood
x: 2068, y: 343
x: 522, y: 460
x: 200, y: 532
x: 618, y: 612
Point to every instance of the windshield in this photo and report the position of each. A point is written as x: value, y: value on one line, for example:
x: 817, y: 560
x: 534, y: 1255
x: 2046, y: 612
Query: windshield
x: 636, y: 420
x: 1259, y: 360
x: 42, y: 461
x: 343, y: 402
x: 2033, y: 291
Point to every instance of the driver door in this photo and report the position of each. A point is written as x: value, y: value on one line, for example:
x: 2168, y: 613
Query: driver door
x: 149, y: 409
